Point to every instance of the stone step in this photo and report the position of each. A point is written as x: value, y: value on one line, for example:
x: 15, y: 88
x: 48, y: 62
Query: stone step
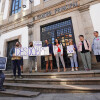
x: 54, y: 88
x: 18, y: 93
x: 57, y: 81
x: 76, y: 74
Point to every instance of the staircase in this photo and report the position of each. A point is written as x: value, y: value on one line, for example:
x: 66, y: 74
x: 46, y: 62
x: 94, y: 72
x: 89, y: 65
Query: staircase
x: 64, y: 82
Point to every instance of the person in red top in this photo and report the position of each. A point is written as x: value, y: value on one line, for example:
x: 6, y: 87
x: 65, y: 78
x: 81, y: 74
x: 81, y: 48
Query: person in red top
x: 58, y: 52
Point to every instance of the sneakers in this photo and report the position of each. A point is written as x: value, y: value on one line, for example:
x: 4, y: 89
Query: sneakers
x: 76, y: 69
x: 72, y: 70
x: 14, y: 77
x: 20, y: 77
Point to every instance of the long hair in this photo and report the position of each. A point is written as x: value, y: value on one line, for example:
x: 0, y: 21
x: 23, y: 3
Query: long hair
x: 58, y: 42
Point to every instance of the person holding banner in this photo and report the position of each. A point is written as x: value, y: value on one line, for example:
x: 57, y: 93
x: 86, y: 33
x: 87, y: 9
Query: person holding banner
x: 71, y: 50
x: 15, y: 61
x: 58, y: 52
x: 84, y: 48
x: 48, y: 57
x: 32, y: 60
x: 2, y: 79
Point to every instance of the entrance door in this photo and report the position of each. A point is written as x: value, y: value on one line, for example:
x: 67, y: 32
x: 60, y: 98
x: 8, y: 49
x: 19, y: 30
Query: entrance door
x: 61, y: 30
x: 10, y: 44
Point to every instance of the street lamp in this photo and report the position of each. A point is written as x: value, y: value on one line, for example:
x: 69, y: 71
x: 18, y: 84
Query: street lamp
x: 24, y: 3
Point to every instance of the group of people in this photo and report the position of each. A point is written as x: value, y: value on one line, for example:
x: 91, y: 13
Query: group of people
x: 84, y: 48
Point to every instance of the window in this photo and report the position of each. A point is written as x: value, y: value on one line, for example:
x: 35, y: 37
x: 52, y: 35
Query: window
x: 16, y: 6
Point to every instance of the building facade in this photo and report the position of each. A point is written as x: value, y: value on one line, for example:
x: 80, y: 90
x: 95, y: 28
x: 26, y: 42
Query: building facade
x: 25, y: 21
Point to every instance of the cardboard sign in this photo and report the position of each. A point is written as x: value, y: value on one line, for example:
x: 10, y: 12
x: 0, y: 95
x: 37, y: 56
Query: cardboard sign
x: 44, y: 51
x: 3, y: 61
x: 70, y: 49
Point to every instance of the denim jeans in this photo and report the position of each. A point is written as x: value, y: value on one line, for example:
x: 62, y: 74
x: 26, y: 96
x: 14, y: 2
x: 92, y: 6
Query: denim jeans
x: 73, y: 60
x: 16, y: 63
x: 32, y: 63
x: 58, y: 55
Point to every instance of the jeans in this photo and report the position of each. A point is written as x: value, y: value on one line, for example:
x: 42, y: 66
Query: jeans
x: 61, y: 58
x: 32, y: 63
x: 86, y: 59
x: 16, y: 63
x: 73, y: 60
x: 2, y: 78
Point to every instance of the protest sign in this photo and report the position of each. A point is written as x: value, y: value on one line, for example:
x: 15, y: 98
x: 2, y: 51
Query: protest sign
x: 3, y: 61
x: 70, y: 49
x: 44, y: 51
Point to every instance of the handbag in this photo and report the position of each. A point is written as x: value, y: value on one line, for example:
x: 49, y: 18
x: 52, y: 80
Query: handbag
x: 70, y: 55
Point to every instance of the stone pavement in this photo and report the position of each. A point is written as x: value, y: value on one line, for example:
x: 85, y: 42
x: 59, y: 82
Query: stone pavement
x: 69, y: 96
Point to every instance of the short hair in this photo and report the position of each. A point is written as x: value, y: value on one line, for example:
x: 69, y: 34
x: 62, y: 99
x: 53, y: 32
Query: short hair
x: 81, y: 36
x: 30, y: 42
x: 47, y: 40
x: 96, y: 31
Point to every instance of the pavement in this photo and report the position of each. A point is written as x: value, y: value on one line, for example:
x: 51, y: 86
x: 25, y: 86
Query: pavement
x: 68, y: 96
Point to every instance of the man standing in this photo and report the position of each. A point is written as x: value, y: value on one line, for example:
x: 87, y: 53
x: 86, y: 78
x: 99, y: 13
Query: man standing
x: 96, y: 46
x: 15, y: 61
x: 2, y: 78
x: 84, y: 48
x: 49, y: 57
x: 32, y: 60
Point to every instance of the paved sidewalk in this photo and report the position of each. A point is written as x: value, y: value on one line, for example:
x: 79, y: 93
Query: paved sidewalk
x: 69, y: 96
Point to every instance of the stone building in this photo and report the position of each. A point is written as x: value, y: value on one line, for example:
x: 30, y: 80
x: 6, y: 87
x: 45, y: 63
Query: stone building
x: 21, y: 20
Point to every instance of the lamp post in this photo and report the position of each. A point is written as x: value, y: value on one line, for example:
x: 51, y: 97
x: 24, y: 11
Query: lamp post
x: 30, y: 24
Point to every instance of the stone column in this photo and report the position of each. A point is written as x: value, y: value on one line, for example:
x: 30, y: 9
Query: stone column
x: 87, y: 22
x: 30, y: 31
x: 87, y: 25
x: 2, y: 9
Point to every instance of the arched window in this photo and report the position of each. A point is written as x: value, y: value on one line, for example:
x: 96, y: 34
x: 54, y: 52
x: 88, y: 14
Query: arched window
x: 16, y: 6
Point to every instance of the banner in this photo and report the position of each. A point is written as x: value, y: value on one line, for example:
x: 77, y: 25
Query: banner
x: 36, y: 50
x: 3, y: 61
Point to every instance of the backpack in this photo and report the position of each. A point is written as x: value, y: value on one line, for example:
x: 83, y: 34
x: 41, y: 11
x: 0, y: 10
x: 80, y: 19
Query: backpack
x: 87, y: 44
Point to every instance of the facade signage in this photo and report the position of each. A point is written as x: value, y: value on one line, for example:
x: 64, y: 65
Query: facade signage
x: 56, y: 11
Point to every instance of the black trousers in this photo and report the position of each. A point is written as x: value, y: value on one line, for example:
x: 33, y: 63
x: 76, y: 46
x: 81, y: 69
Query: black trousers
x: 2, y: 78
x: 98, y: 58
x: 16, y: 63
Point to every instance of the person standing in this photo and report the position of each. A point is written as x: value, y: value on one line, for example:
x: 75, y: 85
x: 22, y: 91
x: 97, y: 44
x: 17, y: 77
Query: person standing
x: 84, y: 48
x: 32, y: 60
x: 15, y: 61
x: 48, y: 57
x: 58, y: 52
x: 2, y: 79
x: 96, y: 46
x: 73, y: 56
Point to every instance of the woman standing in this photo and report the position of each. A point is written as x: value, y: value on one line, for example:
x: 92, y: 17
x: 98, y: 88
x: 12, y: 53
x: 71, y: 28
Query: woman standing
x: 58, y: 52
x: 73, y: 56
x: 84, y: 48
